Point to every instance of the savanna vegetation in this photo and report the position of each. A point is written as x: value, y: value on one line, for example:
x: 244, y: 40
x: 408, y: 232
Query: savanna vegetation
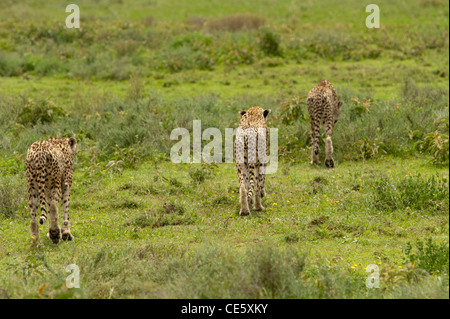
x: 145, y: 227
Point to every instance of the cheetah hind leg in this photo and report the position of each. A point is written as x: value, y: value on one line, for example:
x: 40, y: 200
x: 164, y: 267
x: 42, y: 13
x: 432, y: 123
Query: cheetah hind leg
x: 329, y: 162
x: 54, y: 232
x: 260, y: 190
x: 67, y: 235
x: 244, y: 202
x: 33, y: 203
x: 65, y: 229
x: 243, y: 198
x: 315, y: 134
x: 263, y: 192
x: 258, y: 206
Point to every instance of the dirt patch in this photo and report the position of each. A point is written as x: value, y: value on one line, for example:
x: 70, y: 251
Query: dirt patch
x: 319, y: 221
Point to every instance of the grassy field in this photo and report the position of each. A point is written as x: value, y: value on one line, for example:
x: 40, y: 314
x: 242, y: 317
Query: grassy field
x: 145, y: 227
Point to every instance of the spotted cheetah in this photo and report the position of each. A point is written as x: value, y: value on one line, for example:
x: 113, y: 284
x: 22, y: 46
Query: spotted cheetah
x: 324, y: 108
x: 251, y: 161
x: 49, y: 171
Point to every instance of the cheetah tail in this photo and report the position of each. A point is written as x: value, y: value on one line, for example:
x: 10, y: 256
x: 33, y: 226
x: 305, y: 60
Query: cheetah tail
x: 42, y: 198
x: 251, y: 173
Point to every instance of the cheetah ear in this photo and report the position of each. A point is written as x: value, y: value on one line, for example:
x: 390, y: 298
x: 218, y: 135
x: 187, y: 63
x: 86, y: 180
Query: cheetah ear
x: 266, y: 112
x: 72, y: 142
x: 340, y: 104
x: 242, y: 112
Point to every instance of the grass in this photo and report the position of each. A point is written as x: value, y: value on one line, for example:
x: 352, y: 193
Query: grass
x: 175, y: 228
x: 111, y: 48
x: 147, y: 228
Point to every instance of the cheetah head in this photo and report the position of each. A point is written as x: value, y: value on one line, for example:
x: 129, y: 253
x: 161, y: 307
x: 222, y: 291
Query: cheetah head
x: 337, y: 111
x: 255, y: 113
x: 73, y: 145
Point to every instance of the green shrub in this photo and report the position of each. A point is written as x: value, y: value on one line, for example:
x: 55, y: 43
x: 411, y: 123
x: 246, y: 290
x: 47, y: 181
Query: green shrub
x: 10, y: 64
x: 430, y: 256
x: 184, y: 57
x: 269, y: 42
x: 168, y: 215
x: 206, y: 171
x: 222, y: 200
x: 294, y: 110
x: 413, y: 191
x: 40, y: 111
x: 436, y: 143
x: 358, y: 108
x: 370, y: 149
x: 13, y: 198
x: 239, y: 50
x: 12, y: 165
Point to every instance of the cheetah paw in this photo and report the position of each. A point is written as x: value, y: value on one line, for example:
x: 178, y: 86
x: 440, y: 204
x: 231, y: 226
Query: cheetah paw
x: 329, y: 163
x: 54, y: 235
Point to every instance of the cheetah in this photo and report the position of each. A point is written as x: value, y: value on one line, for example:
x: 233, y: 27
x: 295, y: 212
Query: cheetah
x: 324, y: 108
x: 49, y: 171
x: 251, y: 161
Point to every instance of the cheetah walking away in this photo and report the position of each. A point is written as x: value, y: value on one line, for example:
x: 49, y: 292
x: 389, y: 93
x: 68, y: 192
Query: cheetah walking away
x: 49, y: 173
x: 324, y: 108
x: 251, y: 163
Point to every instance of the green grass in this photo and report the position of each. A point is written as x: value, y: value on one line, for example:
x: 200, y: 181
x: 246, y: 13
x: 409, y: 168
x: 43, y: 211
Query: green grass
x: 147, y: 228
x: 311, y: 213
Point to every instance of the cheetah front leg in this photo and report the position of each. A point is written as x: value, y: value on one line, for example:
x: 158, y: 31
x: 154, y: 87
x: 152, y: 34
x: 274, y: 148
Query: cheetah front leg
x: 65, y: 229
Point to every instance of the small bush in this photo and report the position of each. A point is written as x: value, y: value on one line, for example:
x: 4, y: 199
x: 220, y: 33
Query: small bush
x: 269, y: 42
x: 40, y: 111
x: 416, y: 192
x: 274, y: 270
x: 430, y: 256
x: 436, y: 143
x: 167, y: 215
x: 12, y: 165
x: 291, y: 237
x: 12, y: 198
x: 222, y: 200
x: 126, y: 203
x: 184, y: 57
x: 370, y: 148
x: 294, y: 110
x: 206, y: 171
x: 358, y: 108
x: 10, y: 64
x: 128, y: 156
